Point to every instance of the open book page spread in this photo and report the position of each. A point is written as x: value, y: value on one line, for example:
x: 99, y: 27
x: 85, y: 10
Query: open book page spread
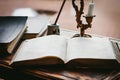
x: 89, y: 48
x: 41, y: 47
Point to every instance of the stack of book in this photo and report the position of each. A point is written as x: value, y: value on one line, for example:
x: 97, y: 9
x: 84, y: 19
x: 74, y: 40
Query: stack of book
x: 14, y: 30
x: 11, y: 31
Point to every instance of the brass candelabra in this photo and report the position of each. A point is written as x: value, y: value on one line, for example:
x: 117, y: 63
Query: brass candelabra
x: 88, y: 18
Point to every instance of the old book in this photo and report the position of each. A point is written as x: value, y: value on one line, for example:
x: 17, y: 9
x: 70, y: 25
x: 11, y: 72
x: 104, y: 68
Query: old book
x: 11, y: 31
x: 54, y: 49
x: 36, y: 26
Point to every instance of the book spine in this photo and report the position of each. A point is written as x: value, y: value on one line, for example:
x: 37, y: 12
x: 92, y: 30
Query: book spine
x: 19, y: 40
x: 3, y: 49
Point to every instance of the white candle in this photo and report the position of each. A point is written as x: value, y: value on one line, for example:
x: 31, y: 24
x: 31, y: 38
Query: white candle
x: 90, y: 9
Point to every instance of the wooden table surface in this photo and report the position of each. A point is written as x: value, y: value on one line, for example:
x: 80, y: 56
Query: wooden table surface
x: 106, y: 22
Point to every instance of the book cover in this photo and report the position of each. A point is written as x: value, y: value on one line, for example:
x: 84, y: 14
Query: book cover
x: 11, y: 30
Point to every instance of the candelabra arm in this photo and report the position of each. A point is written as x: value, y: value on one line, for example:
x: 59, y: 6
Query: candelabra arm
x: 78, y: 12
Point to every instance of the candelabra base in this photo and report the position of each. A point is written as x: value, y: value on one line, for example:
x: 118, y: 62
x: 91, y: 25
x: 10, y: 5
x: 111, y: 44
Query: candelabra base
x: 85, y: 35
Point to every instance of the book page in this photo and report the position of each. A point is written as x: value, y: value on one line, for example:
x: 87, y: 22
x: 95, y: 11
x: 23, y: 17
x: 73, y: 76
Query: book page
x: 116, y: 47
x: 39, y: 23
x: 89, y: 48
x: 40, y: 47
x: 13, y: 44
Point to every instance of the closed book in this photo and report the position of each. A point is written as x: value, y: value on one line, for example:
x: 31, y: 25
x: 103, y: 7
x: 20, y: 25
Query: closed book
x: 11, y: 31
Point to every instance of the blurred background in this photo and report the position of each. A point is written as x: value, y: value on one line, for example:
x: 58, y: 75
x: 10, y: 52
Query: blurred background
x: 106, y: 22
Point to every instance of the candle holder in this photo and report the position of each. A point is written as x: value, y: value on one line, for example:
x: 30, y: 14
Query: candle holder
x: 80, y: 25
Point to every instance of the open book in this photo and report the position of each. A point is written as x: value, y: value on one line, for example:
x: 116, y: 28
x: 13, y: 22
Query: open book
x: 54, y: 49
